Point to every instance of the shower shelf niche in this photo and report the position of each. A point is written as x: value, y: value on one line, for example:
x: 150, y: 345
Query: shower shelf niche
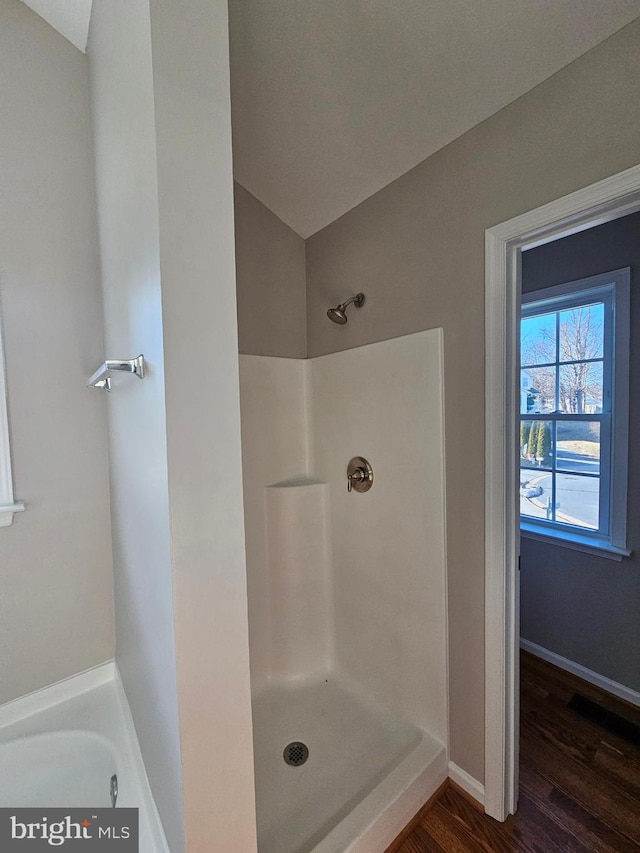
x: 296, y: 483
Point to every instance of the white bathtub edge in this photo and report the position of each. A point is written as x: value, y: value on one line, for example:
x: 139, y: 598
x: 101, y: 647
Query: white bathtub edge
x: 54, y: 694
x: 137, y: 762
x: 115, y: 726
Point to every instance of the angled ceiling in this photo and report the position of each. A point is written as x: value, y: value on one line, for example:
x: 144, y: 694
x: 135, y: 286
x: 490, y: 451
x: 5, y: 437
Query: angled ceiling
x: 334, y: 99
x: 69, y: 17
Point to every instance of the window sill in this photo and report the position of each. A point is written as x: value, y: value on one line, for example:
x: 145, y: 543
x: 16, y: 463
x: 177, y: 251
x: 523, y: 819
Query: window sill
x: 7, y: 512
x: 576, y: 542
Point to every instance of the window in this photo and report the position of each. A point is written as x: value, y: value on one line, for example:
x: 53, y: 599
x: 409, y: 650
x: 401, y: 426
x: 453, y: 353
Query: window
x: 574, y: 389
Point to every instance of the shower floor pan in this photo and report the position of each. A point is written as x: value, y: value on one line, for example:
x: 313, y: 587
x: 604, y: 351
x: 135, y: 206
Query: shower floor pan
x: 365, y: 777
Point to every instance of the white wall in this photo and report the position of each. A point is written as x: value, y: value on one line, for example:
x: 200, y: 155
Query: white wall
x: 299, y: 578
x: 162, y: 133
x: 384, y: 401
x: 124, y: 137
x: 193, y: 122
x: 275, y: 448
x: 56, y: 599
x: 362, y: 592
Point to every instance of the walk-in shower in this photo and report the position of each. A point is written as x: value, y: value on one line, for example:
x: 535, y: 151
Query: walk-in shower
x: 347, y: 604
x: 339, y: 314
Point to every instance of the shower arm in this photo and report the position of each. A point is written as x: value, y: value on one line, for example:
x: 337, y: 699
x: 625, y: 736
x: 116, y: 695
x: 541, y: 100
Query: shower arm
x: 359, y: 299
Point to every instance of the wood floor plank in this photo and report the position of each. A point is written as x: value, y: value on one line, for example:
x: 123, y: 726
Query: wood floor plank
x: 421, y: 841
x: 618, y: 767
x: 531, y: 831
x: 579, y: 783
x: 612, y: 757
x: 538, y: 671
x: 540, y: 791
x: 572, y: 738
x: 543, y: 829
x: 448, y: 833
x: 595, y: 832
x: 614, y: 807
x: 587, y: 830
x: 471, y: 824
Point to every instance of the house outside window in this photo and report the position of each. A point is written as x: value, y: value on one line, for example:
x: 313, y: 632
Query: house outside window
x: 574, y: 389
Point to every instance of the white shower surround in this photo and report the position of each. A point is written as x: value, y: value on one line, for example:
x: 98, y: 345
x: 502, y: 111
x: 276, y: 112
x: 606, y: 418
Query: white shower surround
x: 347, y: 592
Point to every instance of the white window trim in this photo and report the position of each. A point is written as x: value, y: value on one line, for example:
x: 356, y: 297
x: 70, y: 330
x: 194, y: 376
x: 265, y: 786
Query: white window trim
x: 8, y: 505
x: 616, y: 286
x: 575, y: 541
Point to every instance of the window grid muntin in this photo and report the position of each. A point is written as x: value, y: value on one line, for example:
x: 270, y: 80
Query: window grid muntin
x: 560, y: 363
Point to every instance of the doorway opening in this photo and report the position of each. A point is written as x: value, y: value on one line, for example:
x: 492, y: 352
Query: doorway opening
x: 600, y: 203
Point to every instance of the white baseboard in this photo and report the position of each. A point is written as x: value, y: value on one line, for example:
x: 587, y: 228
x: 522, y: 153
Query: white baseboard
x: 619, y: 690
x: 474, y: 788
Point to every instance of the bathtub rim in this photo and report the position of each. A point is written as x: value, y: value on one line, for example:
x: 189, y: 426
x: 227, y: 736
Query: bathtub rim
x: 44, y: 698
x: 119, y: 730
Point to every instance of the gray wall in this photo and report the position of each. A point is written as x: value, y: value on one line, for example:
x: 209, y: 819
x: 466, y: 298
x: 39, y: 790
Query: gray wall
x: 123, y: 118
x: 271, y: 284
x: 416, y: 249
x: 583, y: 607
x: 56, y: 595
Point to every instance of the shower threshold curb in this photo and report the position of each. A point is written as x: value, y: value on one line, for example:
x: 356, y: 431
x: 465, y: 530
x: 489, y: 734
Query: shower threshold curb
x: 380, y: 817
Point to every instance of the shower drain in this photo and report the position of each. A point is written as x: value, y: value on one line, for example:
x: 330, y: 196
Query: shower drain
x: 295, y: 753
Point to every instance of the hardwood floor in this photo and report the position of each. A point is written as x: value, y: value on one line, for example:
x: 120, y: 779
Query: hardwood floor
x: 579, y: 778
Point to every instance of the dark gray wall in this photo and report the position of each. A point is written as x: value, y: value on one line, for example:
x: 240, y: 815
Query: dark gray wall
x: 583, y: 607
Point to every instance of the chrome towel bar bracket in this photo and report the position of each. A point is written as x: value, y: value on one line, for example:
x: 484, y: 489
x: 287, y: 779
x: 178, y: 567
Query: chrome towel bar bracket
x: 101, y: 378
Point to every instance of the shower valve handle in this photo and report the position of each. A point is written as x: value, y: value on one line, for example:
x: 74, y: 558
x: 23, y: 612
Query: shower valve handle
x: 359, y: 475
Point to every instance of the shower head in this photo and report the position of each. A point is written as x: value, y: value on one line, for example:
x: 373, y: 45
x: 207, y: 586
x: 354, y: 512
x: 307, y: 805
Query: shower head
x: 339, y: 315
